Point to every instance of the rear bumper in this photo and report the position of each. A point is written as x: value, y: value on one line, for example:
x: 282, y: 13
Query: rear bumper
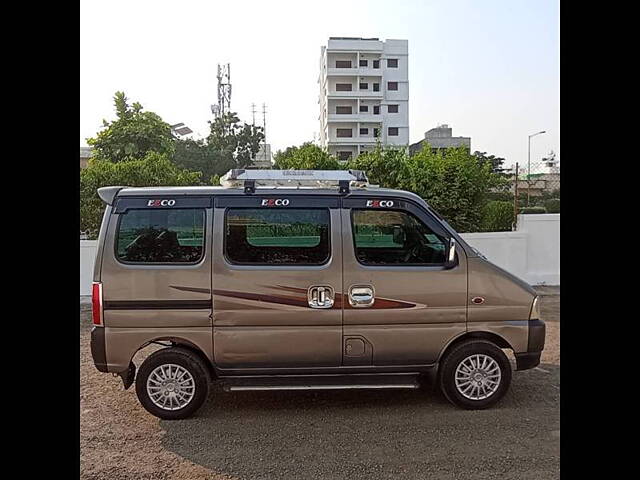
x: 98, y: 351
x: 535, y: 345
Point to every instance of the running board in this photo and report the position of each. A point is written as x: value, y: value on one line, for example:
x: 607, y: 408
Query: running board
x: 321, y: 382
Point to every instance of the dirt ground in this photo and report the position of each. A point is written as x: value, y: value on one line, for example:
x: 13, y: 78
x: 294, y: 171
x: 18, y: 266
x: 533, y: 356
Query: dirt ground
x: 326, y: 435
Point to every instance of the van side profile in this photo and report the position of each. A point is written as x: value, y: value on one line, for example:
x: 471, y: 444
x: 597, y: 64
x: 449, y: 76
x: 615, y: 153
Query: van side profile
x: 288, y: 280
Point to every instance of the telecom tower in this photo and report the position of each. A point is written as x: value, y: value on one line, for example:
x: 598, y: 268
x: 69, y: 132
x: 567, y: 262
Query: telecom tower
x: 224, y: 91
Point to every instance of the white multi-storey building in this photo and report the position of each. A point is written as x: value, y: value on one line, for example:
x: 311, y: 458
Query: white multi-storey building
x: 364, y: 95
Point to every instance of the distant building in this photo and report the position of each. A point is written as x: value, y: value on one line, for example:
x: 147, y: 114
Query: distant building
x: 263, y: 157
x: 85, y: 155
x: 439, y: 138
x: 364, y: 95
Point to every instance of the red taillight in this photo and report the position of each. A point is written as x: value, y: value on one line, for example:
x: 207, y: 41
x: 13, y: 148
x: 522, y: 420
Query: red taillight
x: 96, y: 303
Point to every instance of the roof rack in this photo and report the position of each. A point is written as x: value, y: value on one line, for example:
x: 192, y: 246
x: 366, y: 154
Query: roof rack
x: 250, y: 179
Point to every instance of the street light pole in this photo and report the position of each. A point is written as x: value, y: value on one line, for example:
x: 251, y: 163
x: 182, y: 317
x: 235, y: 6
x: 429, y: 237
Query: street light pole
x: 529, y: 164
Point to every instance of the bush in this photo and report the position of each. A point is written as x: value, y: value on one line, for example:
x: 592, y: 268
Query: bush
x: 154, y: 169
x: 497, y: 216
x: 529, y: 210
x: 552, y: 205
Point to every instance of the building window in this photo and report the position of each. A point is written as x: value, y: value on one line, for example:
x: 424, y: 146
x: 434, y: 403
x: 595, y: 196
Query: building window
x: 277, y: 236
x: 343, y: 87
x: 343, y: 110
x: 376, y: 132
x: 376, y: 87
x: 344, y: 156
x: 364, y: 108
x: 343, y: 63
x: 392, y: 85
x: 376, y: 109
x: 376, y: 64
x: 393, y: 131
x: 392, y: 63
x: 364, y: 131
x: 394, y: 238
x: 344, y: 132
x: 364, y: 86
x: 392, y: 108
x: 364, y: 63
x: 161, y: 236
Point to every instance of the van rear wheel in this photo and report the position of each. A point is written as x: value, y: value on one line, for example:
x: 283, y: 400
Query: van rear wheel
x: 475, y: 374
x: 172, y: 383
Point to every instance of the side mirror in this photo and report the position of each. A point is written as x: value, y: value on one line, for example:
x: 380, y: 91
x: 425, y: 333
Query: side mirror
x: 451, y: 254
x: 398, y: 235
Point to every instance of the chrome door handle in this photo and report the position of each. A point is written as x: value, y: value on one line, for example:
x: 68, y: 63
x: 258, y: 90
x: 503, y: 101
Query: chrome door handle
x: 321, y: 296
x: 361, y: 296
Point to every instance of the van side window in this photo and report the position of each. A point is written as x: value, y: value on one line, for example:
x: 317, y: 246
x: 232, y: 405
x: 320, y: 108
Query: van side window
x: 161, y: 236
x: 389, y: 237
x: 277, y: 236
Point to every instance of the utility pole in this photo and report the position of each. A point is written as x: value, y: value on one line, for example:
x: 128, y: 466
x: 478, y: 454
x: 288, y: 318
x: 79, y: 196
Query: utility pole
x: 529, y: 165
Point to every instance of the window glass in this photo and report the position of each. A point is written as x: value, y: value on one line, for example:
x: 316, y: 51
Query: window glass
x: 343, y: 87
x: 364, y: 86
x: 392, y: 63
x: 393, y: 131
x: 392, y: 108
x: 343, y: 63
x: 364, y: 108
x: 277, y: 236
x: 363, y: 63
x: 161, y: 236
x: 389, y: 237
x: 343, y: 132
x: 376, y: 64
x: 392, y: 85
x: 343, y: 110
x: 364, y: 131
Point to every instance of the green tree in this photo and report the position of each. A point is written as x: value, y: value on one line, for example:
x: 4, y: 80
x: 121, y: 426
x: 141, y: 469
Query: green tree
x: 454, y: 183
x: 306, y: 157
x: 154, y: 169
x: 197, y: 155
x: 384, y: 166
x: 132, y: 135
x: 237, y: 142
x: 495, y: 162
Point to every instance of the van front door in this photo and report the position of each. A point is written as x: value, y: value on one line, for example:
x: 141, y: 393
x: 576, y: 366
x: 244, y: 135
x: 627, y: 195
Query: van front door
x: 402, y: 304
x: 277, y: 276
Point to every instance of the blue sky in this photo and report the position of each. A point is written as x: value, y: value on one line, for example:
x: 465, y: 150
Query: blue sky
x: 489, y: 69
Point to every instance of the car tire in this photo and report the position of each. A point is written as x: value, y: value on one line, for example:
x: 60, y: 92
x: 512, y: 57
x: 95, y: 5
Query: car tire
x: 475, y: 374
x: 172, y: 383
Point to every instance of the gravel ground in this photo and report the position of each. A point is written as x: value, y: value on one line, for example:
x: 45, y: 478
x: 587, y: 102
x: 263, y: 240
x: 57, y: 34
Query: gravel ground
x: 326, y: 435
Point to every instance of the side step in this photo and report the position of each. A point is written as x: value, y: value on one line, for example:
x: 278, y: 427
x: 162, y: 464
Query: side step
x: 320, y: 382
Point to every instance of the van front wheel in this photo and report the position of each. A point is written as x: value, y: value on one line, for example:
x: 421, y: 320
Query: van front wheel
x: 475, y: 374
x: 172, y: 383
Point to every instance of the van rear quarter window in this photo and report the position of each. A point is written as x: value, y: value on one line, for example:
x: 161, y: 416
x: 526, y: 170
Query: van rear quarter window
x: 161, y: 236
x: 277, y: 236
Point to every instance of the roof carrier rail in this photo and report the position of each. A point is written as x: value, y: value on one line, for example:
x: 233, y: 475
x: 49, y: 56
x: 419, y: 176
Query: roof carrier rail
x: 250, y: 179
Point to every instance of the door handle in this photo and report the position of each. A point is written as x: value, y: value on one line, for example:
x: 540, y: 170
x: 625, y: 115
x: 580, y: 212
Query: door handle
x: 361, y: 296
x: 320, y: 296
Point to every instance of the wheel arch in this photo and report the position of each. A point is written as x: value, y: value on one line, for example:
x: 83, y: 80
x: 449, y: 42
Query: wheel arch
x: 498, y: 340
x: 179, y: 342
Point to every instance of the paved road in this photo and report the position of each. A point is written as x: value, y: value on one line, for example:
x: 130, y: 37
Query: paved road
x: 326, y: 435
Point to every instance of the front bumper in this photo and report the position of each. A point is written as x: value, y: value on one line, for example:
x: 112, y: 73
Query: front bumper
x: 535, y: 345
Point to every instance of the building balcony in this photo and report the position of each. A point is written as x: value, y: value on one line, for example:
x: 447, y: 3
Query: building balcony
x: 356, y: 94
x: 356, y: 71
x: 364, y: 140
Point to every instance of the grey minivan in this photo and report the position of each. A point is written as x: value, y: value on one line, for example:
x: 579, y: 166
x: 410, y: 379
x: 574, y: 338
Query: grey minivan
x: 289, y: 280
